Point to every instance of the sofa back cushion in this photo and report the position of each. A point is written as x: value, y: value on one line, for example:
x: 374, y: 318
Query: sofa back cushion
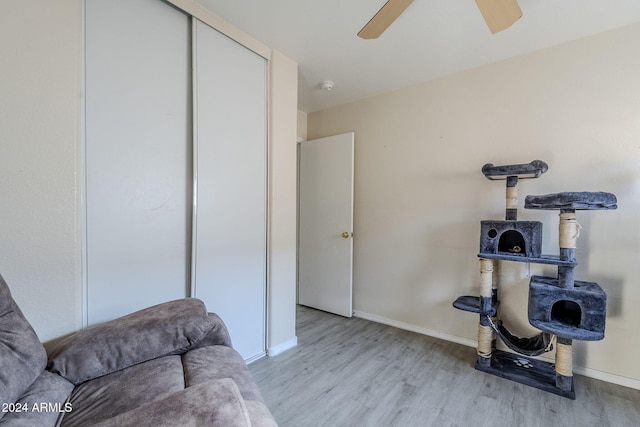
x: 22, y: 355
x: 169, y: 328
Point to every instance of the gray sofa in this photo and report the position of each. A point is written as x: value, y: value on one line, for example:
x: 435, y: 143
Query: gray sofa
x: 167, y: 365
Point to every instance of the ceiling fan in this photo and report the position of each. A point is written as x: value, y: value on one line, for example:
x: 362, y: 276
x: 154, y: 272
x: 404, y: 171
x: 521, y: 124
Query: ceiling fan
x: 498, y: 14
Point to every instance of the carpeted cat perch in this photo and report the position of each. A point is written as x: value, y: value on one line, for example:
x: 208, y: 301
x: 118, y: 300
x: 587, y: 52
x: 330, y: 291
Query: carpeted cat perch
x: 562, y: 308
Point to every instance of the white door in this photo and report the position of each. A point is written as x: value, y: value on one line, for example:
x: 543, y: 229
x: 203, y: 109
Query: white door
x: 138, y: 156
x: 325, y: 262
x: 229, y: 240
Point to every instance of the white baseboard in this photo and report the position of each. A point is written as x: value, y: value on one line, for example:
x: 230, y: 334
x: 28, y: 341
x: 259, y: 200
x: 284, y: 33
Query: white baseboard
x: 280, y: 348
x: 587, y: 372
x: 414, y: 328
x: 254, y: 358
x: 605, y: 376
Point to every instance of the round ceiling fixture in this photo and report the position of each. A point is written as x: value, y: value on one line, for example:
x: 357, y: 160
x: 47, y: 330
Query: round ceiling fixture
x: 327, y: 85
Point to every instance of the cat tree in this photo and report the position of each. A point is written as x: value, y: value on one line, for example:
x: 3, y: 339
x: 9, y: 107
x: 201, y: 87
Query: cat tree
x: 562, y: 308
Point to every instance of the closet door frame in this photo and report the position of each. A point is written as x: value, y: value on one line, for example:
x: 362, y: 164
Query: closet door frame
x: 203, y: 14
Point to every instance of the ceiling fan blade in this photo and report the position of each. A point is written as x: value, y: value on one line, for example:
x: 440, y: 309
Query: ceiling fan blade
x: 385, y: 17
x: 499, y: 14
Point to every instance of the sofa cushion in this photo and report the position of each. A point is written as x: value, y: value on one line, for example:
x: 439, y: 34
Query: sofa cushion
x: 22, y: 355
x: 168, y: 328
x: 259, y: 414
x: 216, y: 362
x: 110, y: 395
x: 44, y: 402
x: 216, y: 403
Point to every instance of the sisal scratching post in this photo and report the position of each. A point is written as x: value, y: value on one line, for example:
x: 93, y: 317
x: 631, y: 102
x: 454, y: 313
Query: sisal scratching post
x: 564, y: 364
x: 485, y: 331
x: 568, y: 232
x: 511, y: 199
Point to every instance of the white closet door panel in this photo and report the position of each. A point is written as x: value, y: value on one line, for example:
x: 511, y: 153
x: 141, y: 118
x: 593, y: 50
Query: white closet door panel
x: 230, y: 230
x: 138, y: 155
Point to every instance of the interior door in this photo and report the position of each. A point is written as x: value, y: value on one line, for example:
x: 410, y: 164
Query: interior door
x: 229, y: 240
x: 325, y: 257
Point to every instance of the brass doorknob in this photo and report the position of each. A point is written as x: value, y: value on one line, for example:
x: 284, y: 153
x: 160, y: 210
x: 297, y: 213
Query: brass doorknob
x: 346, y: 234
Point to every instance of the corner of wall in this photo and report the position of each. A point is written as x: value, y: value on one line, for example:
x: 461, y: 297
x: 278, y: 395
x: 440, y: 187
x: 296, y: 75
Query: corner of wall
x: 281, y: 303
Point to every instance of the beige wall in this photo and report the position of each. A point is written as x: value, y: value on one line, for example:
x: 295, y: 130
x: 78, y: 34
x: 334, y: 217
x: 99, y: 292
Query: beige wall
x: 41, y: 175
x: 420, y: 194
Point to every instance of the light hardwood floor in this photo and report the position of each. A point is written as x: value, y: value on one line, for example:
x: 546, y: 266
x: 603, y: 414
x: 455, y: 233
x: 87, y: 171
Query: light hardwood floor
x: 353, y: 372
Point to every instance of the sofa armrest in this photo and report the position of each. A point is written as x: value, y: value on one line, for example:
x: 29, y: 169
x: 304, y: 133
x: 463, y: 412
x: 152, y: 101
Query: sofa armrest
x: 215, y: 403
x: 169, y: 328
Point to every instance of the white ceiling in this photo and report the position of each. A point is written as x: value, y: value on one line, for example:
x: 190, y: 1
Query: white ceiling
x: 432, y: 38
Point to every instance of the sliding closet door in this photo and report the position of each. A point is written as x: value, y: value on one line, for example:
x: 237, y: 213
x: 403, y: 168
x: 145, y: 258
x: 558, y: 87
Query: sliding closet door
x: 138, y: 155
x: 229, y: 270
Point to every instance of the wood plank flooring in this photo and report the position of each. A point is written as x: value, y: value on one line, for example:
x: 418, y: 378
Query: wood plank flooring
x: 353, y: 372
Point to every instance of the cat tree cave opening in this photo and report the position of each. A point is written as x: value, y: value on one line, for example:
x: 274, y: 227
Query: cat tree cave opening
x: 512, y: 242
x: 567, y: 312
